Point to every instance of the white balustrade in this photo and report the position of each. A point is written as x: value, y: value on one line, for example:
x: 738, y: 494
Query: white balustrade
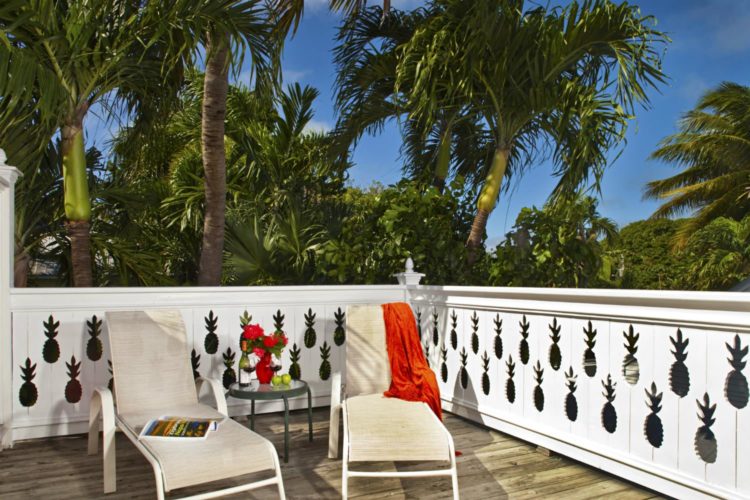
x: 613, y: 378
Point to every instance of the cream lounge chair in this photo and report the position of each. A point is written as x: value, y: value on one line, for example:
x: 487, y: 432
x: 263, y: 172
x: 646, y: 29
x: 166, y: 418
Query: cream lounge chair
x: 376, y: 428
x: 153, y: 377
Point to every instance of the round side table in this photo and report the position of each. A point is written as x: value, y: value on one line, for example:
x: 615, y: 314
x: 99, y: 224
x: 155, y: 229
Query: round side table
x: 266, y: 392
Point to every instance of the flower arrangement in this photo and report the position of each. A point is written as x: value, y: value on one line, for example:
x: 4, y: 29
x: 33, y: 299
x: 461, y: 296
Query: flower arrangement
x: 264, y: 351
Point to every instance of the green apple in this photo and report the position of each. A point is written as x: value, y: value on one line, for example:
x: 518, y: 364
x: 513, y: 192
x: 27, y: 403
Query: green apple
x: 286, y: 379
x: 276, y: 380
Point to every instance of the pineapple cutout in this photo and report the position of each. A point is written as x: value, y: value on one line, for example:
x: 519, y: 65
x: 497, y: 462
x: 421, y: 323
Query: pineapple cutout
x: 28, y: 393
x: 245, y: 319
x: 427, y: 351
x: 339, y: 334
x: 325, y: 365
x: 538, y: 392
x: 589, y: 357
x: 555, y: 356
x: 229, y: 376
x: 51, y: 349
x: 510, y: 386
x: 294, y: 370
x: 498, y: 339
x: 485, y: 375
x: 211, y: 342
x: 653, y: 427
x: 111, y: 383
x: 310, y: 335
x: 73, y: 389
x: 94, y: 348
x: 609, y: 415
x: 444, y: 364
x: 464, y: 373
x: 475, y: 333
x: 454, y: 335
x: 435, y: 333
x: 278, y: 321
x: 705, y: 441
x: 195, y: 360
x: 735, y: 387
x: 571, y: 404
x: 679, y: 377
x: 419, y: 323
x: 630, y: 368
x: 523, y: 349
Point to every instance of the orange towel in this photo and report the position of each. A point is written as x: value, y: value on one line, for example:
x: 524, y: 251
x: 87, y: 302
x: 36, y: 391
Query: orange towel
x: 412, y: 378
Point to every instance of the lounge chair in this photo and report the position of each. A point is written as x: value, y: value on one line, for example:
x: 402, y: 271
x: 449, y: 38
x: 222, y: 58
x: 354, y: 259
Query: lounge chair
x: 153, y: 378
x: 377, y: 428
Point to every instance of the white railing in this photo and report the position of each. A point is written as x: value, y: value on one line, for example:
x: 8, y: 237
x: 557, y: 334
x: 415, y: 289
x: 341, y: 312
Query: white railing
x: 616, y: 379
x: 63, y: 334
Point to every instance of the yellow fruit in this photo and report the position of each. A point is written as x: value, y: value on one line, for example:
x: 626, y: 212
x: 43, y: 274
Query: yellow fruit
x: 286, y: 379
x: 276, y: 380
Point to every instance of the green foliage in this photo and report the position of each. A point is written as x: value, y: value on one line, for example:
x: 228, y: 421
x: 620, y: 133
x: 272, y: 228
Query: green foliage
x: 645, y: 253
x: 560, y: 245
x: 384, y: 226
x: 719, y: 255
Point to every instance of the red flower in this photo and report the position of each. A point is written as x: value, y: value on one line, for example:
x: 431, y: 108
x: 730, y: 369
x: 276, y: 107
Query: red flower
x: 284, y: 339
x: 258, y: 351
x: 252, y: 332
x: 270, y: 341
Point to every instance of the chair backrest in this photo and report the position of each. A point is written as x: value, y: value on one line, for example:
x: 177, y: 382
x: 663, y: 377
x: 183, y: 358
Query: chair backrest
x: 368, y: 370
x: 150, y: 360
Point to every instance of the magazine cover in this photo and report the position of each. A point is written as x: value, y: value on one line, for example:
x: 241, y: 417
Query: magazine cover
x: 179, y: 428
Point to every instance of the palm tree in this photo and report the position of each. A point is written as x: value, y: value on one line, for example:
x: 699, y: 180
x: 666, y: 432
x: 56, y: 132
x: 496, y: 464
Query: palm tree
x: 713, y: 146
x: 62, y: 58
x: 367, y: 57
x: 255, y: 31
x: 554, y: 82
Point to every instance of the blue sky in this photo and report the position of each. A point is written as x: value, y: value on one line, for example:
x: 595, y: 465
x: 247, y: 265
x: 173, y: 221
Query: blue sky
x: 710, y: 44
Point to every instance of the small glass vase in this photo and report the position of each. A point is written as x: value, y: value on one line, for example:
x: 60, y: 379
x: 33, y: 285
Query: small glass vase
x: 263, y: 369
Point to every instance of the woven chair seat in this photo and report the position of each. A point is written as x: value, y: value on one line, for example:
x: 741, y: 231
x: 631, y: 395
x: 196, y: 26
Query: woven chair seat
x: 227, y: 452
x: 392, y: 429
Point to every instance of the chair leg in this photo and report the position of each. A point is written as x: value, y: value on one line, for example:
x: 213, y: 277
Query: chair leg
x: 345, y: 460
x: 333, y: 432
x: 454, y: 469
x: 102, y: 405
x: 277, y: 465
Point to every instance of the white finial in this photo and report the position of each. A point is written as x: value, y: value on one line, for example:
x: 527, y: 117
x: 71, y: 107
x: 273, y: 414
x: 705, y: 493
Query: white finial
x: 409, y: 276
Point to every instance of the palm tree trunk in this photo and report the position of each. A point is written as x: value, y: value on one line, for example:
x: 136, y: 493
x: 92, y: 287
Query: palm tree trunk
x: 487, y: 201
x: 443, y: 159
x: 215, y: 87
x: 77, y: 201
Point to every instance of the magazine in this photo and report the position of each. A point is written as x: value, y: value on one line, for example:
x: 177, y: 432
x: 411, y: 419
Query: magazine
x: 168, y: 427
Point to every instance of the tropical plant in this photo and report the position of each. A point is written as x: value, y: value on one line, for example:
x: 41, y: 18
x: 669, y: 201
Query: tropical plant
x: 63, y: 58
x: 718, y: 255
x: 560, y: 245
x: 367, y: 58
x: 557, y: 80
x: 712, y: 146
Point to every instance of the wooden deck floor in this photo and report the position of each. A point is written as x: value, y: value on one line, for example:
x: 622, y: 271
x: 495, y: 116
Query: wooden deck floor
x: 493, y: 465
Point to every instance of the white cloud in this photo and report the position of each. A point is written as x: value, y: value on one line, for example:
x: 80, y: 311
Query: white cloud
x: 692, y: 87
x: 317, y: 126
x: 293, y: 75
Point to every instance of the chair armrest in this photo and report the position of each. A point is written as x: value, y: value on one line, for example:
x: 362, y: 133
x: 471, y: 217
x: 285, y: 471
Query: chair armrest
x: 218, y: 392
x: 103, y: 404
x: 333, y: 431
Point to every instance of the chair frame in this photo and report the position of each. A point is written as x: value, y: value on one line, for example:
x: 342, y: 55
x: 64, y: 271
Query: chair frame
x: 338, y: 409
x: 103, y: 405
